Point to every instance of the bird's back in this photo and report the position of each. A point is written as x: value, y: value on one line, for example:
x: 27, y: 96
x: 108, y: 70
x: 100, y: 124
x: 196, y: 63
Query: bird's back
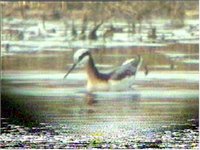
x: 127, y: 69
x: 124, y: 77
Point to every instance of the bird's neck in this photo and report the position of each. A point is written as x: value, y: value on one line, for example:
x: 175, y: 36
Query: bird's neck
x: 95, y: 79
x: 91, y: 70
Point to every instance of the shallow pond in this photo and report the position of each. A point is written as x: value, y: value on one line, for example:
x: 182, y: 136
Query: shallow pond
x: 41, y: 110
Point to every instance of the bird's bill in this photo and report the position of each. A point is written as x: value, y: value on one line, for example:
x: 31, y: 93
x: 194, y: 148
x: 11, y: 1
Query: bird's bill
x: 74, y: 65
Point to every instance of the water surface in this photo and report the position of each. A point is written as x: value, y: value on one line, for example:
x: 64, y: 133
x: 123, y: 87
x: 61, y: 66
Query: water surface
x: 41, y: 110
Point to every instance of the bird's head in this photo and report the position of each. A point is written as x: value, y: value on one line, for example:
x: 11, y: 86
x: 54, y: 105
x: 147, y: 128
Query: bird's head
x: 81, y: 57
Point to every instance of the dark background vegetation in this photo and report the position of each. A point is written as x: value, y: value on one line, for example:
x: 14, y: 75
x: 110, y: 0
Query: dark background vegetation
x: 130, y: 11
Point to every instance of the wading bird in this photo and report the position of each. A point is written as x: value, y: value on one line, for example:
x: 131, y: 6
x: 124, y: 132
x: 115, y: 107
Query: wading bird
x: 120, y: 79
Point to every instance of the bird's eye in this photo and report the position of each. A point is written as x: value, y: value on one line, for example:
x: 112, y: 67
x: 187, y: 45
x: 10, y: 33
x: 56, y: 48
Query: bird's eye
x: 81, y: 57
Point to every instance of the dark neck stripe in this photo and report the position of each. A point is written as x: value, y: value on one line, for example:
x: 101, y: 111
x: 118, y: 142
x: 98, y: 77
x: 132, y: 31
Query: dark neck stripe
x: 83, y: 55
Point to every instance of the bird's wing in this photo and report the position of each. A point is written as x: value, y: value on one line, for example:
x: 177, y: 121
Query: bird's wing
x: 128, y: 68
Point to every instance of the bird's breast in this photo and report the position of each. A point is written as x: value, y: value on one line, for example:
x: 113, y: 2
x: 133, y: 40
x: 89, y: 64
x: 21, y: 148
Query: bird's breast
x: 97, y: 85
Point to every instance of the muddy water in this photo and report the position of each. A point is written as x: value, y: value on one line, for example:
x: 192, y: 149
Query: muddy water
x: 41, y: 110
